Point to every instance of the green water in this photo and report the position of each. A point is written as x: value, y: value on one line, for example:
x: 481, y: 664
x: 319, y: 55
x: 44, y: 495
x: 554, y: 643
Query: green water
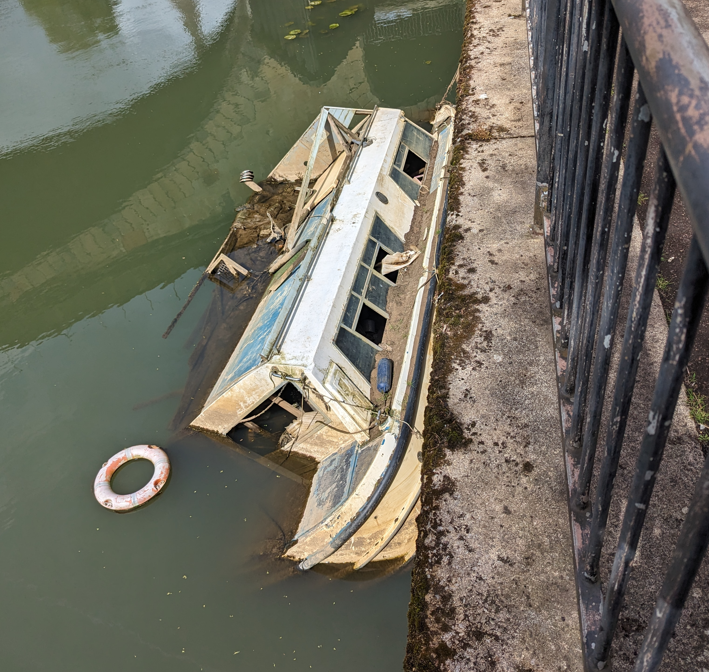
x: 123, y: 128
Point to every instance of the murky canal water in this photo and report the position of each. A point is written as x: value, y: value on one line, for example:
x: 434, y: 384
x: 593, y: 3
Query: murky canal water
x: 123, y: 127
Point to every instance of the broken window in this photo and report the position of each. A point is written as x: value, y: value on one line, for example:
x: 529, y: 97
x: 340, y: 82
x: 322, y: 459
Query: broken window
x: 411, y: 160
x: 365, y: 317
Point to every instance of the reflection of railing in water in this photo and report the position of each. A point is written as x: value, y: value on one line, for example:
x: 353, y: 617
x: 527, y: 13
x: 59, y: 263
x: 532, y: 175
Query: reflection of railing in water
x: 405, y: 23
x: 584, y: 73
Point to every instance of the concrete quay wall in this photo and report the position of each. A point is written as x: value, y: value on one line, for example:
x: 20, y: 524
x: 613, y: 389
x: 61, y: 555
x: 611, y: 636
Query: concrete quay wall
x: 493, y: 580
x: 493, y: 585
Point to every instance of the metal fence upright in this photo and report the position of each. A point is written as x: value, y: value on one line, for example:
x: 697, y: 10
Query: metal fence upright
x: 587, y: 57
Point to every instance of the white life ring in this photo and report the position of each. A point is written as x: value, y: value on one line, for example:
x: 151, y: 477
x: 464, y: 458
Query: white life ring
x: 102, y: 485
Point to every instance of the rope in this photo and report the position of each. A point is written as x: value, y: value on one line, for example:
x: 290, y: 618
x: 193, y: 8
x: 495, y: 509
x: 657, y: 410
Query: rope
x: 450, y: 86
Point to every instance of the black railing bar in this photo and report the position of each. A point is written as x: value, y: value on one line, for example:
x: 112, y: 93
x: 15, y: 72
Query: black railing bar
x: 570, y: 8
x: 576, y: 178
x: 672, y: 60
x: 570, y: 109
x: 622, y: 85
x: 568, y: 256
x: 539, y: 10
x: 546, y: 72
x: 686, y: 560
x: 678, y: 347
x: 587, y: 192
x: 572, y: 126
x: 638, y: 312
x: 566, y: 11
x: 573, y: 12
x: 542, y: 44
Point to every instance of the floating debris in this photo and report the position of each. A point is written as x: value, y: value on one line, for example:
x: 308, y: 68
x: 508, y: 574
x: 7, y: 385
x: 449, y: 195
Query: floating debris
x: 315, y: 3
x: 334, y: 25
x: 295, y: 32
x: 427, y: 62
x: 311, y: 24
x: 324, y: 31
x: 348, y: 12
x: 304, y: 33
x: 290, y: 37
x: 290, y: 23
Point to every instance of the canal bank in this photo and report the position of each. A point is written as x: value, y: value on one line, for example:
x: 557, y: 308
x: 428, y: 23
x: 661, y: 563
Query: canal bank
x: 493, y: 582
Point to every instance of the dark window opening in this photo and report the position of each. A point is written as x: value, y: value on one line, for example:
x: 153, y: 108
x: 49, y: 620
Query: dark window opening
x: 356, y: 119
x: 371, y: 324
x: 414, y: 166
x: 358, y: 350
x: 270, y: 419
x: 380, y: 257
x: 378, y: 266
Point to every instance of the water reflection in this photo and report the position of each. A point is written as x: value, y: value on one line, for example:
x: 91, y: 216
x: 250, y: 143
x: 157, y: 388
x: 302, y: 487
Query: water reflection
x: 189, y: 11
x: 268, y: 90
x: 74, y: 25
x: 119, y: 178
x: 74, y: 64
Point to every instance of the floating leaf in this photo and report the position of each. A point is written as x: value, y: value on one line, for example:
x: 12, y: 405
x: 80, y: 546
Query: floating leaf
x: 334, y: 25
x: 290, y: 37
x: 347, y: 12
x: 295, y: 32
x: 304, y: 33
x: 427, y: 62
x: 311, y: 24
x: 324, y: 32
x: 290, y: 23
x: 315, y: 3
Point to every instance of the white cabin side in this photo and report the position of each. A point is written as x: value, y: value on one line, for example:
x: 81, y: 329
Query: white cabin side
x: 307, y: 343
x: 309, y: 339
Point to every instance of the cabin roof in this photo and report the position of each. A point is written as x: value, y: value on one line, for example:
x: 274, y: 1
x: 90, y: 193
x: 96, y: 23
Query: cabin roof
x: 322, y: 302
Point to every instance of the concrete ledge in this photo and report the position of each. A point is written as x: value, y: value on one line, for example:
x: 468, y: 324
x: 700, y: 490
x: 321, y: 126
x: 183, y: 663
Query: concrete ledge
x: 493, y: 583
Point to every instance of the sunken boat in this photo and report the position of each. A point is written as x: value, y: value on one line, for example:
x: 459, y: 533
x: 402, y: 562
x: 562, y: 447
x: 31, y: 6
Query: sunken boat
x: 340, y: 337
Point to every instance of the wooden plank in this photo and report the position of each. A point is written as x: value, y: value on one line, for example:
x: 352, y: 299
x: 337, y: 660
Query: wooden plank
x: 298, y: 413
x: 293, y: 226
x: 233, y: 266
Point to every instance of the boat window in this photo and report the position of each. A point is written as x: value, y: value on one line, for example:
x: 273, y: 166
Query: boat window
x: 365, y: 317
x: 394, y: 275
x: 351, y: 311
x: 411, y: 160
x: 371, y: 324
x: 248, y: 353
x: 414, y: 166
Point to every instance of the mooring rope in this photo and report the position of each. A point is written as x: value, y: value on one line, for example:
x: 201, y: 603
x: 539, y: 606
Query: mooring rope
x: 450, y: 86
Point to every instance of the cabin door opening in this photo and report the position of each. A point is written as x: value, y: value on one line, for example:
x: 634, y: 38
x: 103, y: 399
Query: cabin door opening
x: 264, y: 426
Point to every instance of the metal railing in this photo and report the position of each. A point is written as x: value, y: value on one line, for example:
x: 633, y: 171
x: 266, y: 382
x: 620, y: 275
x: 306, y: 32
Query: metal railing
x: 589, y: 57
